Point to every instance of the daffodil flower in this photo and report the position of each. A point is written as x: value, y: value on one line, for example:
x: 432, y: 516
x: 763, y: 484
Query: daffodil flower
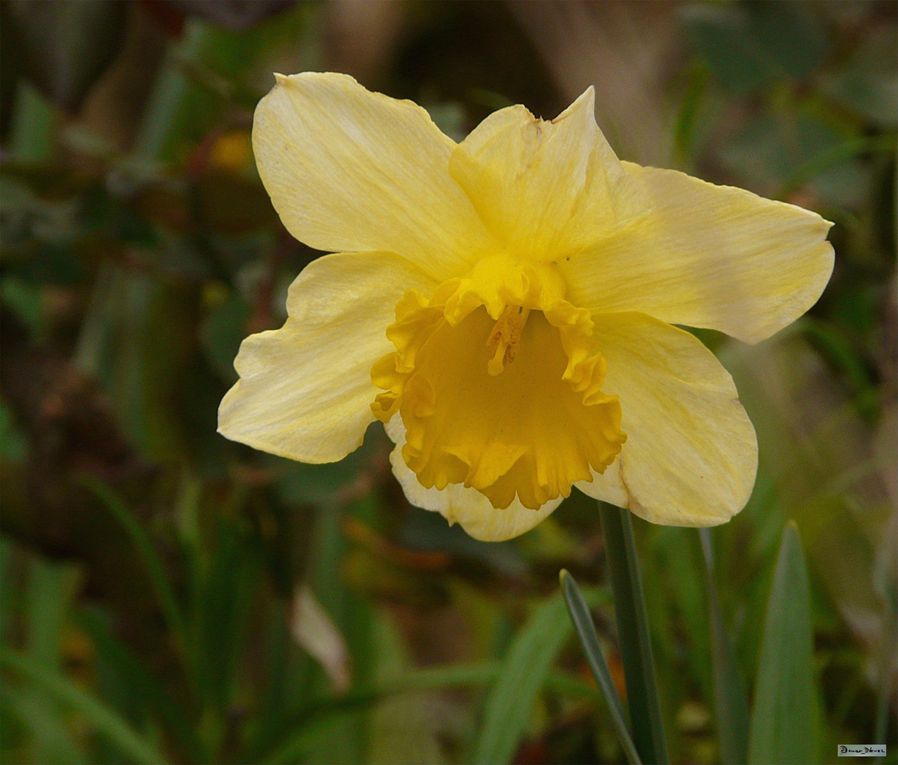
x: 506, y: 307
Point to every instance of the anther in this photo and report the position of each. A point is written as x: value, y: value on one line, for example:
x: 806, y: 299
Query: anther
x: 504, y: 338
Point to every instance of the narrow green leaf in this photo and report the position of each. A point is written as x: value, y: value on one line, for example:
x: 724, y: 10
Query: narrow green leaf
x: 688, y: 117
x: 784, y: 725
x: 7, y: 589
x: 883, y: 696
x: 33, y: 128
x: 730, y: 701
x: 147, y: 552
x: 221, y: 332
x: 199, y: 75
x: 301, y: 728
x: 141, y: 685
x: 749, y: 45
x: 104, y: 719
x: 867, y: 83
x: 633, y: 634
x: 47, y: 600
x: 50, y: 589
x: 221, y: 613
x: 45, y: 724
x: 524, y: 669
x: 586, y: 631
x: 353, y: 617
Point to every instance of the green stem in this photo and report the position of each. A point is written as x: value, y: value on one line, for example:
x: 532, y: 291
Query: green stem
x: 730, y: 703
x: 633, y: 634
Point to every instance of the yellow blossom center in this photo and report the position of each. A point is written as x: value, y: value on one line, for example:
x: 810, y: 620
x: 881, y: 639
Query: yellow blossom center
x: 497, y: 380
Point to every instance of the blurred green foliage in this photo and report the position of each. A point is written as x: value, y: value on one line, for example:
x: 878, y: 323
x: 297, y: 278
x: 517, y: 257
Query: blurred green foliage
x: 151, y: 572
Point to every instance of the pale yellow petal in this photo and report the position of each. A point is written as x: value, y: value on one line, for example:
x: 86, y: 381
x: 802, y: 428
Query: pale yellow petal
x: 546, y: 190
x: 606, y: 486
x: 707, y: 256
x: 348, y: 169
x: 691, y: 454
x: 467, y: 507
x: 305, y: 390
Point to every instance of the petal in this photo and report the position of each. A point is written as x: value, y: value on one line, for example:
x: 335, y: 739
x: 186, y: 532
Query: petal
x: 691, y: 454
x: 707, y: 256
x: 606, y: 486
x: 545, y: 190
x: 305, y: 390
x: 348, y: 169
x: 467, y: 507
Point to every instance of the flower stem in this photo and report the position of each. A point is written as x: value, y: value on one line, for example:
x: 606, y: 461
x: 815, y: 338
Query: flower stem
x: 633, y: 634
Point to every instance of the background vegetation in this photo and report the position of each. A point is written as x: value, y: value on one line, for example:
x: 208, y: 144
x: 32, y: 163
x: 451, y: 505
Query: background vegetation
x: 168, y: 596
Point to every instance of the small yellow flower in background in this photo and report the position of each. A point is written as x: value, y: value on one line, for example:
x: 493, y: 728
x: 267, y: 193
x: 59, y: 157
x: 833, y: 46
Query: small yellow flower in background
x: 231, y: 151
x: 505, y: 307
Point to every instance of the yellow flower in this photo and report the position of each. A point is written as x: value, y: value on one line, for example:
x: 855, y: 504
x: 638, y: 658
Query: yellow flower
x: 506, y: 305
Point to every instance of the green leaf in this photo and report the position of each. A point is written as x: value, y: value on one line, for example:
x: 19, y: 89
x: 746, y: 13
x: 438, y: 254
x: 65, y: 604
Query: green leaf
x: 48, y: 729
x: 633, y: 634
x: 586, y: 631
x: 509, y: 703
x: 690, y: 112
x: 104, y: 719
x: 139, y: 687
x: 730, y: 701
x: 791, y: 35
x: 198, y: 77
x: 347, y: 742
x: 145, y: 550
x: 867, y: 83
x: 46, y: 605
x: 221, y: 612
x: 25, y: 300
x: 784, y: 724
x: 299, y: 731
x: 752, y: 44
x: 780, y: 152
x: 13, y: 445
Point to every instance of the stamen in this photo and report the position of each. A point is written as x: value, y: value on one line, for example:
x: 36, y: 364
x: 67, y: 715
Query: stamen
x: 504, y: 338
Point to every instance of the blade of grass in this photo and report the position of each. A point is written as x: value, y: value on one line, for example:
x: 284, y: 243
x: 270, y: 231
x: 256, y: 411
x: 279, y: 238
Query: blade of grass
x: 831, y: 157
x: 44, y: 724
x: 885, y: 659
x: 221, y: 614
x: 106, y: 720
x: 509, y: 703
x: 352, y: 616
x: 147, y: 552
x: 633, y: 634
x: 586, y: 631
x: 688, y: 115
x: 47, y: 602
x: 303, y: 726
x: 34, y: 126
x: 784, y: 725
x: 730, y: 701
x: 142, y: 685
